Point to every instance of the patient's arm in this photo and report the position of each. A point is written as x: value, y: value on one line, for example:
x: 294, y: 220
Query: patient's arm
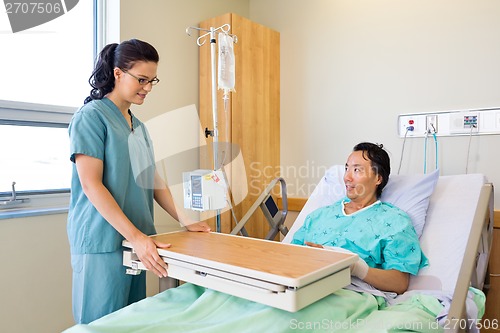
x: 388, y: 280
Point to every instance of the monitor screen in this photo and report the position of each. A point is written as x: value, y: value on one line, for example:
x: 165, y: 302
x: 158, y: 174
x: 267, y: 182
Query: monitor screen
x: 271, y: 206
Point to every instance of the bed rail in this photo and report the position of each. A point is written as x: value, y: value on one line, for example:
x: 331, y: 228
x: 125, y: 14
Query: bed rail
x: 478, y: 245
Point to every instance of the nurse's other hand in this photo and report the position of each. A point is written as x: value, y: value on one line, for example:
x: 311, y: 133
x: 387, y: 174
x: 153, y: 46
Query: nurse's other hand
x: 200, y: 226
x: 313, y: 245
x: 146, y: 249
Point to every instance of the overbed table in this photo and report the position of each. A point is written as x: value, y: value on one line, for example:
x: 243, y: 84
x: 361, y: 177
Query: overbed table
x: 284, y: 276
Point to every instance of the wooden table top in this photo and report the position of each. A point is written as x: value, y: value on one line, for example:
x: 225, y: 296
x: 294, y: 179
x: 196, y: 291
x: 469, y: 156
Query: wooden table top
x: 253, y: 257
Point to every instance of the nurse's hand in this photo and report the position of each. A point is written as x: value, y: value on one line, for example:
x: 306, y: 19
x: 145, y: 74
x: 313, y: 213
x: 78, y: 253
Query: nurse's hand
x: 200, y: 226
x: 313, y: 245
x: 192, y: 225
x: 146, y: 249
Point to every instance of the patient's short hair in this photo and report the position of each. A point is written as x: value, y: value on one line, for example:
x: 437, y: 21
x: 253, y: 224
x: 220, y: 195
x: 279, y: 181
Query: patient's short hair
x: 379, y: 159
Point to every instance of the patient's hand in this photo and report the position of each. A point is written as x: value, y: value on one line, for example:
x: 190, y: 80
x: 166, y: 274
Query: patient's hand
x: 313, y: 245
x: 359, y: 269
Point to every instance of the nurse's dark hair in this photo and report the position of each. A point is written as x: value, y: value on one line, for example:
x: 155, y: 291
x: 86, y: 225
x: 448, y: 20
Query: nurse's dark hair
x: 123, y: 56
x: 379, y: 159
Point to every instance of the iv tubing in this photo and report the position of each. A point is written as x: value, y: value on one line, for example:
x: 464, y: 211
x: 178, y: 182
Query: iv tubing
x: 214, y: 114
x: 214, y: 96
x: 425, y: 152
x: 436, y: 149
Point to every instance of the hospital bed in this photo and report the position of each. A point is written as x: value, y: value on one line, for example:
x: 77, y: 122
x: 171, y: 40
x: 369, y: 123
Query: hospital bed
x: 455, y: 216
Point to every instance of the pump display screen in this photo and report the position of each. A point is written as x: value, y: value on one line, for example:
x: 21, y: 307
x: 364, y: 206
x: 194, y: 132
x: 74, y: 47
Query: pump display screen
x: 196, y: 189
x: 196, y: 185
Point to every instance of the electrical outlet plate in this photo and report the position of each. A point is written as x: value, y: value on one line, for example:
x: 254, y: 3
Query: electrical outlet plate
x: 431, y: 123
x: 408, y: 121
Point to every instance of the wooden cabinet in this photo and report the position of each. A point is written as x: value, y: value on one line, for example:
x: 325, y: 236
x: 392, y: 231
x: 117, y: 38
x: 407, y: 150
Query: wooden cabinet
x: 492, y: 313
x: 251, y: 121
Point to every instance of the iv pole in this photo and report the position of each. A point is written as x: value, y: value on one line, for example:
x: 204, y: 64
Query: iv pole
x: 215, y: 132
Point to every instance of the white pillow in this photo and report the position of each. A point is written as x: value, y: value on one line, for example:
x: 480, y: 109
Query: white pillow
x: 409, y: 193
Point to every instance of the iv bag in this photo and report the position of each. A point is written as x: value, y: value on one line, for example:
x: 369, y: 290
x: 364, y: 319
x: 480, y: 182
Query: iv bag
x: 226, y: 77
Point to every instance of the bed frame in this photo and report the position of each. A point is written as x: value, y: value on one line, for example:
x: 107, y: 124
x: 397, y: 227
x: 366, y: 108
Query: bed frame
x: 475, y: 263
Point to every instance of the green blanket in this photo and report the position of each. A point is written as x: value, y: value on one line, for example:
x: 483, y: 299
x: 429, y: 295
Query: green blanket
x: 190, y: 308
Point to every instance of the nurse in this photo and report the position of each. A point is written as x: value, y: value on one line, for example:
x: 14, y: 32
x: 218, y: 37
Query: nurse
x: 380, y: 233
x: 114, y: 184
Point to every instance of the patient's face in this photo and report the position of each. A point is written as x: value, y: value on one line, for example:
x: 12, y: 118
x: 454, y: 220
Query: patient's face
x: 360, y: 179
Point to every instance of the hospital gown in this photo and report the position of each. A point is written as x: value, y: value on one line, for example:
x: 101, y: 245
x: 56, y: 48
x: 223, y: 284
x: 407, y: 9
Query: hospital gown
x: 381, y: 234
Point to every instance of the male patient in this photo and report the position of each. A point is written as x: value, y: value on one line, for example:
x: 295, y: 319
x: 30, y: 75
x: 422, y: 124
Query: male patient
x: 380, y: 233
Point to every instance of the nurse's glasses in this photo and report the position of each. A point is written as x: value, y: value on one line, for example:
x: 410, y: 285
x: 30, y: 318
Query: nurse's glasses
x: 142, y: 81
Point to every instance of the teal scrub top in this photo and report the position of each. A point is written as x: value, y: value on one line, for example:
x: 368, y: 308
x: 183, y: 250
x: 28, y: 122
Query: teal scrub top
x: 99, y: 130
x: 381, y: 234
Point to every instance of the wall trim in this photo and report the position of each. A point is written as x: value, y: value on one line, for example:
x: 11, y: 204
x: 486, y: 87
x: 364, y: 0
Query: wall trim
x: 296, y: 205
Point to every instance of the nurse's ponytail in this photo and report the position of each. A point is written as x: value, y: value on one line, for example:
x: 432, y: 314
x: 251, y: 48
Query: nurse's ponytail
x: 102, y: 79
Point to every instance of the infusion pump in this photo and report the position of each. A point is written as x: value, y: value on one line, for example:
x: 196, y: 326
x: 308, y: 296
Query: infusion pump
x: 204, y: 190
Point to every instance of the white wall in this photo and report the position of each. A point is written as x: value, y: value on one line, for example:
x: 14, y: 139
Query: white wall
x: 349, y: 67
x: 35, y: 278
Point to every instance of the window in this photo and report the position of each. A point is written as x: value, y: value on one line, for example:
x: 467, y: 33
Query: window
x: 50, y: 63
x: 35, y: 156
x: 45, y: 81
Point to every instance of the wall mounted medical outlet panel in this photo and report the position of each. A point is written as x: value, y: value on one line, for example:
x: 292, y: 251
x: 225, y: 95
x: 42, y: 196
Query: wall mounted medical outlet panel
x: 451, y: 123
x: 464, y: 122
